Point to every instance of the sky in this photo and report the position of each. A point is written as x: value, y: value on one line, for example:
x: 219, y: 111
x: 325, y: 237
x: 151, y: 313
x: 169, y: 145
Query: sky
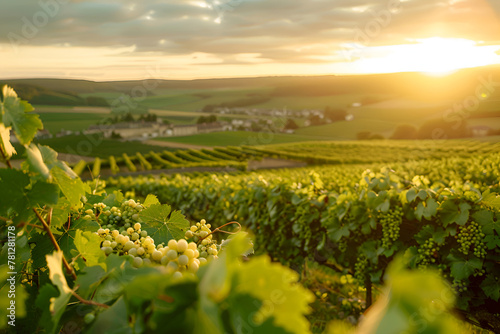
x: 183, y: 39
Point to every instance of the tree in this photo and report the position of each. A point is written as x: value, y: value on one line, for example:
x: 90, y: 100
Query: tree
x: 206, y: 119
x: 404, y: 131
x: 290, y: 125
x: 316, y: 120
x: 209, y: 108
x: 335, y: 115
x: 443, y: 129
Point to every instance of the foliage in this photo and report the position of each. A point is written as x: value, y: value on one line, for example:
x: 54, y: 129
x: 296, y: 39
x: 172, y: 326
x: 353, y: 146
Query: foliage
x: 446, y: 219
x: 93, y: 260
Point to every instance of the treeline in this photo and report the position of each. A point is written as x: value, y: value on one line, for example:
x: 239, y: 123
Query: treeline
x: 43, y: 96
x: 128, y: 117
x: 240, y: 103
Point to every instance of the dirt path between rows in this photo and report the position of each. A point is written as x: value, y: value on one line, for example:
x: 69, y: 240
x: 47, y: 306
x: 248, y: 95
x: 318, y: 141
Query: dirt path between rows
x: 175, y: 145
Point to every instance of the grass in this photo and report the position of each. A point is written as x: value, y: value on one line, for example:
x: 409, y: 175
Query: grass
x: 55, y: 122
x: 95, y: 146
x: 235, y: 138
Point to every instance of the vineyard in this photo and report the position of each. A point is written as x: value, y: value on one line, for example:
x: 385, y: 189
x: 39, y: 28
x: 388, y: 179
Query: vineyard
x: 312, y: 153
x: 412, y: 228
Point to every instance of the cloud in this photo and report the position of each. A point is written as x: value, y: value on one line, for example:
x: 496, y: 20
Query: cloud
x: 292, y: 31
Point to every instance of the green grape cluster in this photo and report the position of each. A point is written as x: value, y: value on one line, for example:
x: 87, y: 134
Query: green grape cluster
x: 201, y: 234
x: 342, y: 244
x: 178, y: 257
x: 471, y: 237
x: 360, y: 268
x: 427, y: 253
x: 121, y: 218
x: 391, y: 223
x: 459, y: 286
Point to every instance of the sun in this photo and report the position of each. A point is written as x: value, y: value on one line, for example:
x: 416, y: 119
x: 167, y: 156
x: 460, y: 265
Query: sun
x: 432, y: 56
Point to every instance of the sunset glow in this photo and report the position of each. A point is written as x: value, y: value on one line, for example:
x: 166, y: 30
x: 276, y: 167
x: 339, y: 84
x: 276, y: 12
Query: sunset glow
x: 115, y: 40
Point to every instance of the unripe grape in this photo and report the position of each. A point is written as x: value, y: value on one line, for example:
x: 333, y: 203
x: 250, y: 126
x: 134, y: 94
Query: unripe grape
x: 88, y: 318
x: 137, y: 262
x: 140, y: 251
x: 147, y: 262
x: 188, y: 234
x: 172, y: 254
x: 135, y: 216
x: 134, y: 236
x: 150, y: 248
x: 128, y: 245
x: 144, y: 234
x: 211, y: 257
x: 137, y: 226
x: 194, y: 228
x: 203, y: 254
x: 193, y: 267
x: 106, y: 243
x: 177, y: 275
x: 164, y: 260
x: 182, y: 245
x: 203, y: 221
x: 114, y: 244
x: 107, y: 250
x: 189, y: 253
x: 133, y: 251
x: 115, y: 233
x: 100, y: 231
x: 157, y: 255
x: 202, y: 260
x: 172, y: 266
x: 196, y: 254
x: 130, y: 230
x: 172, y: 244
x: 192, y: 246
x: 183, y: 260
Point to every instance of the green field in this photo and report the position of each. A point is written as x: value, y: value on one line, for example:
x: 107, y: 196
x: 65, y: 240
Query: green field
x: 55, y: 122
x: 95, y: 146
x: 235, y: 138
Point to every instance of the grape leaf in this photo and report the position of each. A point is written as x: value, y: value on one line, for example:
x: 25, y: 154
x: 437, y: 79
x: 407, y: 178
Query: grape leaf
x: 242, y: 307
x: 72, y: 188
x: 60, y: 214
x: 88, y: 244
x: 150, y: 200
x: 451, y: 213
x: 430, y: 208
x: 411, y: 195
x: 462, y: 268
x: 66, y: 239
x: 492, y: 241
x: 419, y: 211
x: 56, y: 275
x: 491, y: 287
x: 5, y: 144
x: 491, y: 199
x: 276, y: 286
x: 487, y: 221
x: 13, y: 195
x: 163, y: 224
x: 43, y: 193
x: 14, y: 112
x: 113, y: 320
x: 43, y: 300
